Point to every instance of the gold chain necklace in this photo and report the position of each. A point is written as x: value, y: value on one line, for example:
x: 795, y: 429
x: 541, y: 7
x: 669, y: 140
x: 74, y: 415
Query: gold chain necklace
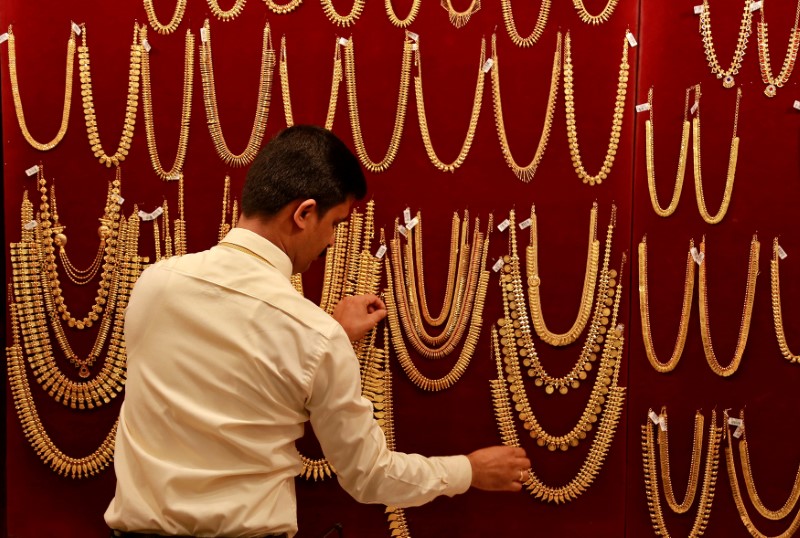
x: 186, y: 109
x: 473, y: 119
x: 747, y: 312
x: 180, y: 223
x: 262, y: 110
x: 741, y: 44
x: 284, y: 8
x: 694, y: 467
x: 525, y: 173
x: 460, y: 18
x: 535, y: 282
x: 172, y: 25
x: 397, y: 21
x: 343, y: 20
x: 336, y: 80
x: 777, y: 315
x: 229, y: 14
x: 698, y: 169
x: 511, y: 26
x: 709, y: 478
x: 132, y: 101
x: 227, y: 202
x: 588, y: 18
x: 737, y: 493
x: 616, y: 124
x: 400, y: 115
x: 644, y: 311
x: 775, y: 82
x: 12, y: 72
x: 651, y: 167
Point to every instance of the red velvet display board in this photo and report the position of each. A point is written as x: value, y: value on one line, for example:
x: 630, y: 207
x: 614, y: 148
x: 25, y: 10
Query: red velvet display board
x: 669, y: 57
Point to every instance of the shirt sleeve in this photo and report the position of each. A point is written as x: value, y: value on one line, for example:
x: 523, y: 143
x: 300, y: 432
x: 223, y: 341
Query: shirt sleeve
x: 355, y: 446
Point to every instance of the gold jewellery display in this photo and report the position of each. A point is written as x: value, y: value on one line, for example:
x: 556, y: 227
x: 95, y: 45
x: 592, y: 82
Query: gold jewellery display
x: 777, y: 315
x: 459, y: 19
x: 708, y: 490
x: 473, y: 119
x: 343, y: 20
x: 263, y: 103
x: 644, y: 311
x: 727, y: 75
x: 775, y: 82
x: 282, y: 9
x: 176, y: 172
x: 12, y: 73
x: 616, y: 124
x: 226, y: 14
x: 397, y: 21
x: 511, y: 25
x: 172, y: 25
x: 525, y: 173
x: 132, y: 101
x: 600, y: 18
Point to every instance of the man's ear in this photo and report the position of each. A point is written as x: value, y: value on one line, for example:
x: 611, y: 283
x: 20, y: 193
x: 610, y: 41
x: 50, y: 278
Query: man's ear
x: 303, y: 212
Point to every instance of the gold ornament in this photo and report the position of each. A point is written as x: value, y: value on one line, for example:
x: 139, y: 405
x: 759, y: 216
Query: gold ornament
x: 777, y: 315
x: 282, y: 9
x: 460, y: 18
x: 226, y: 14
x: 600, y: 18
x: 343, y: 20
x: 511, y: 26
x: 741, y: 44
x: 397, y: 21
x: 775, y: 82
x: 172, y: 25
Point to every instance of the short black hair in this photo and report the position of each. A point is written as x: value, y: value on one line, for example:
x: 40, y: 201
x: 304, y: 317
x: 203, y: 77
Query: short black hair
x: 302, y: 162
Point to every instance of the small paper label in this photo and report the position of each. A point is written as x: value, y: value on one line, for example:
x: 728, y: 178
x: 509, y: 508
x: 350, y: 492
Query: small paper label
x: 662, y: 423
x: 503, y: 225
x: 174, y: 177
x: 755, y: 6
x: 402, y: 230
x: 414, y: 47
x: 497, y: 265
x: 413, y: 222
x: 697, y: 256
x: 631, y: 40
x: 621, y: 328
x: 407, y: 215
x: 4, y: 37
x: 644, y: 107
x: 654, y: 417
x: 31, y: 225
x: 737, y: 432
x: 796, y: 105
x: 698, y: 9
x: 146, y: 45
x: 152, y: 215
x: 733, y: 421
x: 32, y: 171
x: 343, y: 41
x: 381, y: 252
x: 696, y: 105
x: 781, y: 253
x: 525, y: 224
x: 203, y: 34
x: 120, y: 200
x: 414, y: 36
x: 487, y: 66
x: 76, y: 28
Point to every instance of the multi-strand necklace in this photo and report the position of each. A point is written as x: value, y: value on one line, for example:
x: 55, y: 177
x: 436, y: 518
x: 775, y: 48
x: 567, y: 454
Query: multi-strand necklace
x: 777, y: 314
x: 727, y: 75
x: 511, y: 25
x: 775, y: 82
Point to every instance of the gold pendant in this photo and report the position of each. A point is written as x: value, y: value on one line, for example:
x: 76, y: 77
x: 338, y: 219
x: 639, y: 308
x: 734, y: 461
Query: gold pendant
x: 728, y: 81
x: 770, y: 90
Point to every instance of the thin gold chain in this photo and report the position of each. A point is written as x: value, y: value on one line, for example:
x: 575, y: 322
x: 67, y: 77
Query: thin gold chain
x: 600, y: 18
x: 460, y: 18
x: 694, y: 467
x: 226, y: 14
x: 343, y: 20
x: 727, y: 75
x: 397, y: 21
x: 511, y: 25
x: 777, y: 314
x: 172, y: 25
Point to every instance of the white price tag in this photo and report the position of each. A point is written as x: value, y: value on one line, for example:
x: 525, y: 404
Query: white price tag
x: 503, y: 225
x: 76, y: 28
x: 497, y: 265
x: 621, y: 328
x: 755, y: 6
x: 696, y: 105
x: 413, y: 222
x: 733, y: 421
x: 662, y: 423
x: 402, y: 230
x: 698, y: 9
x: 737, y: 432
x: 487, y: 66
x: 152, y: 215
x: 653, y: 416
x: 146, y: 45
x: 796, y: 105
x: 381, y: 252
x: 31, y: 225
x: 631, y: 40
x: 4, y: 37
x: 414, y: 47
x: 343, y: 41
x: 644, y: 107
x: 781, y: 253
x: 120, y: 200
x: 407, y: 215
x: 525, y: 224
x: 203, y: 34
x: 414, y: 36
x: 33, y: 170
x: 697, y: 256
x: 174, y: 177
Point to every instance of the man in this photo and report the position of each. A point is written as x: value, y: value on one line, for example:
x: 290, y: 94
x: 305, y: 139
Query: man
x: 226, y: 362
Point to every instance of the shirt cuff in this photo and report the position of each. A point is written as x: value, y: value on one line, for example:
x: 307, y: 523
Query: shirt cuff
x: 459, y: 474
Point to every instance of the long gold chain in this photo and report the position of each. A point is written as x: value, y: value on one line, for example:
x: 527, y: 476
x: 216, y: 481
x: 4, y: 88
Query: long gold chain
x: 186, y: 109
x: 397, y: 21
x: 535, y: 284
x: 649, y: 149
x: 12, y: 72
x: 132, y: 101
x: 460, y: 18
x: 511, y: 25
x: 226, y: 14
x: 343, y: 20
x: 400, y: 115
x: 600, y: 18
x: 336, y: 80
x: 698, y: 167
x: 727, y: 75
x: 616, y: 124
x: 747, y: 312
x: 262, y: 110
x: 473, y: 119
x: 777, y: 314
x: 644, y: 311
x: 525, y: 173
x: 694, y: 468
x: 172, y: 25
x: 282, y: 9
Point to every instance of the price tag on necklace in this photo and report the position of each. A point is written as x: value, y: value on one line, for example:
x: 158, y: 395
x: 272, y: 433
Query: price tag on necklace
x: 620, y: 328
x: 402, y: 230
x: 31, y: 225
x: 698, y: 9
x: 203, y: 34
x: 631, y: 40
x: 644, y: 107
x: 497, y: 265
x: 737, y: 432
x: 33, y: 170
x: 525, y: 224
x: 662, y: 423
x: 733, y: 421
x: 174, y: 177
x: 697, y: 256
x: 343, y: 41
x: 4, y: 37
x: 407, y: 215
x: 76, y: 28
x: 146, y: 45
x: 694, y: 108
x: 152, y: 215
x: 796, y: 105
x: 120, y: 200
x: 381, y: 252
x: 503, y: 225
x: 487, y: 66
x: 413, y: 222
x: 413, y: 35
x: 755, y: 6
x: 653, y: 416
x: 781, y: 253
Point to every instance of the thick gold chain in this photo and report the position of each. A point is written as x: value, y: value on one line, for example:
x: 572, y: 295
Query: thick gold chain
x: 777, y: 314
x: 511, y: 26
x: 172, y: 25
x: 727, y: 75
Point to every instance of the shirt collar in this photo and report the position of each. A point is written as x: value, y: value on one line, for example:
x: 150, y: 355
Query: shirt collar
x: 262, y: 247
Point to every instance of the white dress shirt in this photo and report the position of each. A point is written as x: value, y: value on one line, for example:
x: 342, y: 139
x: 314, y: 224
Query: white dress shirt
x: 226, y: 362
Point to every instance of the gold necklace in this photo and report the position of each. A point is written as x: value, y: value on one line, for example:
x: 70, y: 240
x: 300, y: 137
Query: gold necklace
x: 588, y: 18
x: 343, y: 20
x: 262, y: 110
x: 12, y: 72
x: 694, y: 467
x: 651, y: 167
x: 525, y: 173
x: 460, y: 18
x: 616, y: 124
x: 76, y: 275
x: 709, y: 478
x: 172, y: 25
x: 777, y: 315
x: 775, y: 82
x: 511, y: 26
x: 397, y: 21
x: 400, y: 115
x: 644, y: 311
x: 741, y: 44
x: 732, y: 160
x: 186, y: 109
x: 283, y: 9
x: 737, y: 493
x: 229, y: 14
x: 229, y: 206
x: 535, y: 282
x: 336, y: 80
x: 180, y: 223
x: 747, y: 313
x: 88, y: 101
x: 473, y: 120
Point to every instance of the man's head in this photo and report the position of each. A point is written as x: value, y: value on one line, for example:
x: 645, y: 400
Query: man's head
x: 299, y: 187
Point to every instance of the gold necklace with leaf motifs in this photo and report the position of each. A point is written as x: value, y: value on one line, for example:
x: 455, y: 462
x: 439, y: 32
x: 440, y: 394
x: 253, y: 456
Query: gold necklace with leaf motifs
x: 775, y: 82
x: 397, y: 21
x: 343, y: 20
x: 588, y: 18
x: 694, y: 467
x: 777, y: 315
x: 459, y: 19
x: 226, y: 14
x: 741, y: 44
x: 284, y: 8
x: 172, y: 25
x: 538, y: 29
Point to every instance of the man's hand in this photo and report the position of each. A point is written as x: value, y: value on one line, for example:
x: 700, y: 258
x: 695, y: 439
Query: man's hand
x: 499, y: 468
x: 358, y: 314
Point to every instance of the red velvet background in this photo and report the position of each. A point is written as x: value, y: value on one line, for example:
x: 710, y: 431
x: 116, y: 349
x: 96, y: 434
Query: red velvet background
x: 670, y: 57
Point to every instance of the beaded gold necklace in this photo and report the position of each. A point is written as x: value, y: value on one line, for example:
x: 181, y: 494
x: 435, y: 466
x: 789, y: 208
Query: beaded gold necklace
x: 525, y: 173
x: 459, y: 19
x: 282, y: 9
x: 180, y: 223
x: 600, y: 18
x: 397, y: 21
x: 12, y: 73
x: 777, y: 314
x: 226, y: 14
x: 343, y: 20
x: 538, y: 29
x: 172, y: 25
x: 727, y: 75
x: 775, y: 82
x: 263, y: 103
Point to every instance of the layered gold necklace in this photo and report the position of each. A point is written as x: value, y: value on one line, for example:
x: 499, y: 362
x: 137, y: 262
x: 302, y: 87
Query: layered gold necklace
x: 459, y: 19
x: 600, y: 18
x: 777, y: 315
x: 535, y: 283
x: 616, y: 124
x: 263, y: 103
x: 473, y: 119
x: 397, y: 21
x: 525, y: 173
x: 733, y: 157
x: 775, y: 82
x: 649, y: 149
x: 226, y: 14
x: 172, y: 25
x: 282, y: 9
x: 709, y: 476
x: 727, y: 75
x: 132, y: 101
x: 400, y: 115
x: 12, y: 73
x: 343, y: 20
x: 511, y: 25
x: 186, y: 109
x: 644, y: 311
x: 747, y: 312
